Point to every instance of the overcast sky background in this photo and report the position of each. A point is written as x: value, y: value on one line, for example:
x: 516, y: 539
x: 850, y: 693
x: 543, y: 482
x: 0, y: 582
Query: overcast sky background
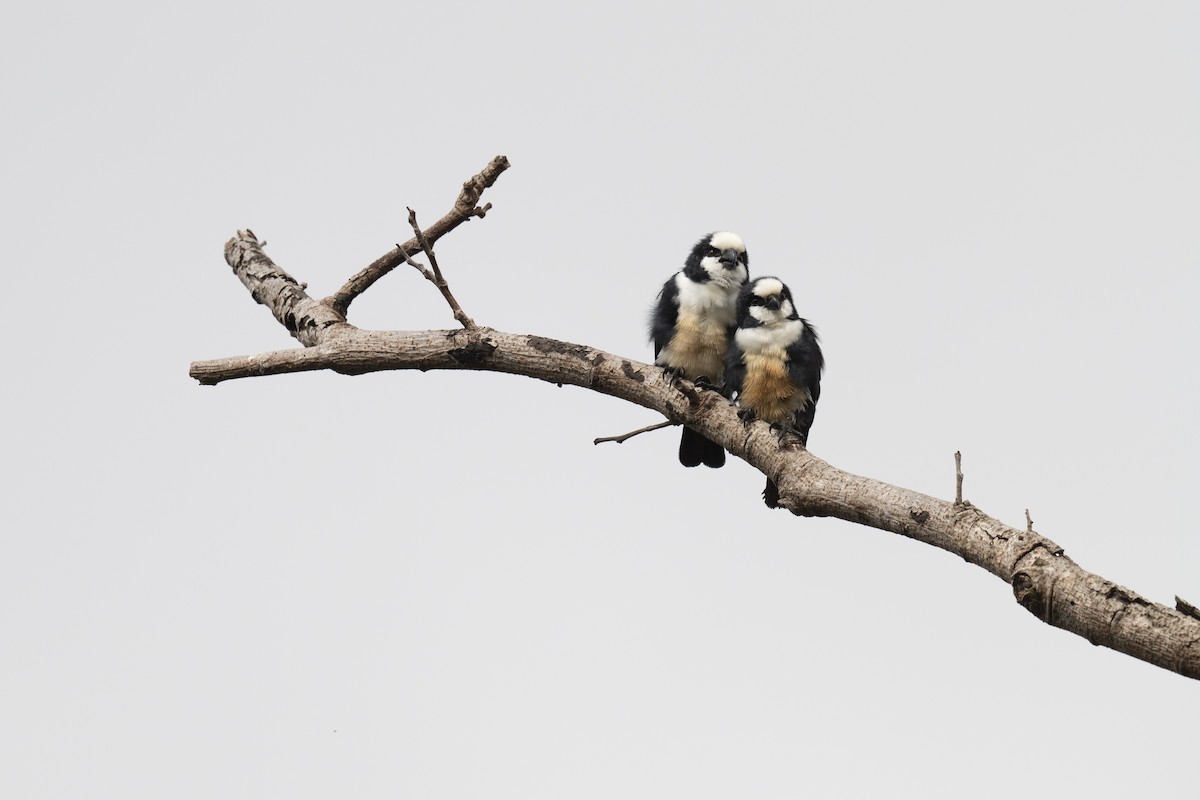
x: 433, y: 585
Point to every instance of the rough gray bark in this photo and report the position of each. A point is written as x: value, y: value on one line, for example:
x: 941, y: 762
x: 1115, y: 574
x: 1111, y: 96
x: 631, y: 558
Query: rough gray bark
x: 1044, y: 580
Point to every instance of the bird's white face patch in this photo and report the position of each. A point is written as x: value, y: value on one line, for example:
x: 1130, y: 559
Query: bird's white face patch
x: 769, y: 317
x: 724, y: 240
x: 730, y: 279
x: 767, y: 288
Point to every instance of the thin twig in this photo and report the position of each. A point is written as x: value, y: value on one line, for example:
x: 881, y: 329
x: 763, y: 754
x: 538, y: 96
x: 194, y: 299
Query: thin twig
x: 1028, y: 522
x: 631, y: 434
x: 465, y: 208
x: 958, y: 478
x: 424, y: 244
x: 436, y: 276
x: 417, y: 265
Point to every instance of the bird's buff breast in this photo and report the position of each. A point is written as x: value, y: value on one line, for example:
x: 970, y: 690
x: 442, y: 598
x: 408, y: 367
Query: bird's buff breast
x: 697, y: 348
x: 768, y: 389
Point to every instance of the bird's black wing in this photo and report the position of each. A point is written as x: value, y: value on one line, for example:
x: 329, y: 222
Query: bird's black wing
x: 805, y: 363
x: 664, y: 316
x: 735, y: 368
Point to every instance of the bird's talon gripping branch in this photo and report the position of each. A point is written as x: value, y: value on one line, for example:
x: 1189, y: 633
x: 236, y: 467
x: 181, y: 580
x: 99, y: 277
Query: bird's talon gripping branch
x: 786, y: 432
x: 672, y: 376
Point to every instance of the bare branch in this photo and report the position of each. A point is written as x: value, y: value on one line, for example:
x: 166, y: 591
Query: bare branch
x: 465, y: 208
x: 958, y: 478
x: 1028, y: 521
x: 436, y: 276
x: 621, y: 439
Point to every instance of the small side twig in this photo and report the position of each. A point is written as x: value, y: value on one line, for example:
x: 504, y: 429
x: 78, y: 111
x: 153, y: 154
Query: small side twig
x: 1028, y: 522
x: 631, y: 434
x: 436, y: 276
x: 417, y: 265
x: 958, y: 478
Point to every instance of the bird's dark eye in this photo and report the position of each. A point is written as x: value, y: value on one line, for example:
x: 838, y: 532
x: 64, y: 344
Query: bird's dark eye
x: 712, y: 251
x: 755, y: 300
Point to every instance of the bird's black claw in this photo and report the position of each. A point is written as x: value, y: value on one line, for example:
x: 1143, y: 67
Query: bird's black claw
x: 703, y: 382
x: 782, y: 431
x: 672, y: 375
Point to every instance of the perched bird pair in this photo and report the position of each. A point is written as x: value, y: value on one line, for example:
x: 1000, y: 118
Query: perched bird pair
x: 715, y: 327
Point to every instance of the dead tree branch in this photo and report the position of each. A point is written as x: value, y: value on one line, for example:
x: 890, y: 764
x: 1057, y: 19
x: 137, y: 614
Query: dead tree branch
x: 1044, y: 580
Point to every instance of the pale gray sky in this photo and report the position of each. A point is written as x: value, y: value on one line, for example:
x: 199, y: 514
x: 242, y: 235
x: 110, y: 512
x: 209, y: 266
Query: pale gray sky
x: 433, y: 585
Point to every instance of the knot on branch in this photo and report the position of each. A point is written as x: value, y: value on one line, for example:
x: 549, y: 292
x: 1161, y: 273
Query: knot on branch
x: 1028, y: 596
x: 475, y: 353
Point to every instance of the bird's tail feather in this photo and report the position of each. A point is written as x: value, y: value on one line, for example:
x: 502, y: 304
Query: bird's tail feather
x: 695, y: 450
x: 771, y: 494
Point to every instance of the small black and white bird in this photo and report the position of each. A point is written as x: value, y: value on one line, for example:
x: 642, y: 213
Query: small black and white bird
x: 774, y: 364
x: 692, y: 321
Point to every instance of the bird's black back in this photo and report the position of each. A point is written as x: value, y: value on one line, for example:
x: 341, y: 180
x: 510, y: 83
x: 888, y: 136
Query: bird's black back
x: 664, y: 316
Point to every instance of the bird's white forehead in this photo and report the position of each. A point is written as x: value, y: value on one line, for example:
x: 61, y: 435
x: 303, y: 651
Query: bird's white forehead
x: 724, y: 240
x: 767, y: 287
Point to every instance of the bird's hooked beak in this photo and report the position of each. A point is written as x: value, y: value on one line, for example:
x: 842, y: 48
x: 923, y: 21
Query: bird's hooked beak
x: 773, y: 302
x: 729, y: 258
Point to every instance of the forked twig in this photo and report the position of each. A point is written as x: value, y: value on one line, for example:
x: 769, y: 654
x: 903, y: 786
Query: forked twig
x: 435, y: 276
x: 465, y: 208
